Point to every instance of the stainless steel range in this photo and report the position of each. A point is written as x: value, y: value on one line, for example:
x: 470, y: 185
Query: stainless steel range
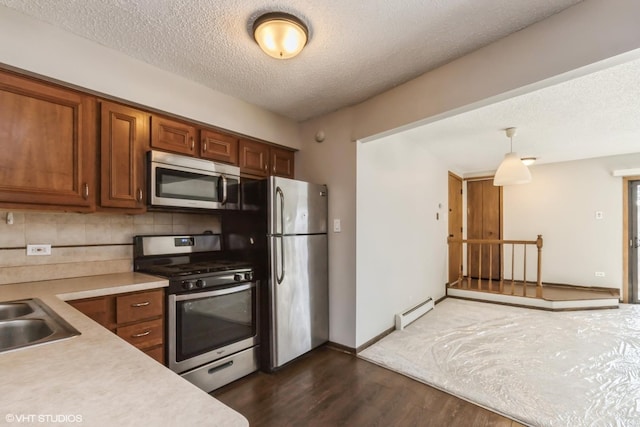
x: 212, y: 307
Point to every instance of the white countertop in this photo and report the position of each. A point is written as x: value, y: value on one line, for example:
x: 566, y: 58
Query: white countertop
x: 96, y: 378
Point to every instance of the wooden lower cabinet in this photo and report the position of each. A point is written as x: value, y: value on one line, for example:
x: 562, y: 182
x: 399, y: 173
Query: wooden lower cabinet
x: 136, y: 317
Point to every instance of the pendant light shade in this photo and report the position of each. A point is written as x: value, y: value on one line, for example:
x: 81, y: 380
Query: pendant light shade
x: 511, y: 171
x: 280, y: 35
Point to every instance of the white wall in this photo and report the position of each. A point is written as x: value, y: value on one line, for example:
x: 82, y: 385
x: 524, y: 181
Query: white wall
x: 581, y: 39
x: 332, y: 162
x: 560, y: 203
x: 401, y: 243
x: 35, y: 46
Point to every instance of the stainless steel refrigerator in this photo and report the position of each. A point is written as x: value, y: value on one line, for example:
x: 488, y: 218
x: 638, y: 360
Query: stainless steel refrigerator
x: 298, y: 269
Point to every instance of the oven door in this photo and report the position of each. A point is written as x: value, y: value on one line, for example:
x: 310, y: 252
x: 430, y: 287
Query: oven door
x: 205, y: 326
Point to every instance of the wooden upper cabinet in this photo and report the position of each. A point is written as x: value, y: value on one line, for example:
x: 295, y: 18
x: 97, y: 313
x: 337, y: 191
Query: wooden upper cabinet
x: 254, y: 158
x: 218, y: 147
x: 174, y: 136
x: 47, y: 141
x: 124, y: 140
x: 261, y: 160
x: 281, y: 162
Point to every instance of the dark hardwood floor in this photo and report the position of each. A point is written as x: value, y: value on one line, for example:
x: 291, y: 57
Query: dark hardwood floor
x: 328, y: 387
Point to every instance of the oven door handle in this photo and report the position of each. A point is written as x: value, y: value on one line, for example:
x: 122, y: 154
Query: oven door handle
x: 216, y: 293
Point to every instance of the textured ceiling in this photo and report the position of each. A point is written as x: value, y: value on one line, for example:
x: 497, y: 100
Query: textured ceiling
x: 595, y: 115
x: 357, y: 48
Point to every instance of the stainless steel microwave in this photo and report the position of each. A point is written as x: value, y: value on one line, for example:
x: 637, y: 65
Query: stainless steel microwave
x: 187, y: 182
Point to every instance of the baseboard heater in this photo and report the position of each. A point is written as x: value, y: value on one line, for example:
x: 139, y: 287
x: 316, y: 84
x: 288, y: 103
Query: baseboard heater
x: 404, y: 319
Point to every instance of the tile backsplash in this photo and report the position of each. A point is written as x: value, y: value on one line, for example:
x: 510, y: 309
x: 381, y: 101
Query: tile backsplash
x: 83, y: 244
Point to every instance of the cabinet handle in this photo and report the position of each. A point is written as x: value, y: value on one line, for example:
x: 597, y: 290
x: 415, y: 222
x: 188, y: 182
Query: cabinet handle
x: 204, y: 146
x: 139, y: 194
x: 141, y: 334
x: 85, y: 193
x: 193, y: 143
x: 266, y: 168
x: 274, y: 168
x: 141, y: 304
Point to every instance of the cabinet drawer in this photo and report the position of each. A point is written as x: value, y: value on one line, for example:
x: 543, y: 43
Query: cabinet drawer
x: 143, y: 335
x: 139, y: 306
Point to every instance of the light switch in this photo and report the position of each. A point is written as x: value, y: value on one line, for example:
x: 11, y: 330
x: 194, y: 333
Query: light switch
x: 336, y: 226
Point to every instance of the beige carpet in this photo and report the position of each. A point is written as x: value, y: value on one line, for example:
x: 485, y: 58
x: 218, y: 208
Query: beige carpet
x: 540, y: 368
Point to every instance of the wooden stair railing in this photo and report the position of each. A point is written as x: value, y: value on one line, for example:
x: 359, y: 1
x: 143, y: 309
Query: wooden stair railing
x: 502, y: 243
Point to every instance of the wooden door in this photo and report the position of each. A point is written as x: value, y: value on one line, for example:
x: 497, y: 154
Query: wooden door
x: 124, y: 141
x: 254, y: 158
x: 219, y: 147
x: 172, y: 135
x: 484, y: 219
x: 455, y: 226
x: 281, y: 162
x: 47, y: 145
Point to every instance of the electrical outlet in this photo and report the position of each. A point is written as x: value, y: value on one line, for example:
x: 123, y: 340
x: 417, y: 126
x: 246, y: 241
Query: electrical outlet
x: 599, y: 273
x: 336, y: 226
x: 599, y: 215
x: 38, y: 250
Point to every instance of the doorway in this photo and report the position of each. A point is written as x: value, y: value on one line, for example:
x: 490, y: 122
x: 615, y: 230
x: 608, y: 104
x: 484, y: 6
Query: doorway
x: 634, y: 240
x: 484, y: 221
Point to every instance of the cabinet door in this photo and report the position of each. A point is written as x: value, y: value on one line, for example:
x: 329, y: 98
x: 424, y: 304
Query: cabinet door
x: 219, y: 147
x: 172, y: 135
x: 281, y: 161
x: 47, y: 141
x: 254, y: 158
x: 123, y: 143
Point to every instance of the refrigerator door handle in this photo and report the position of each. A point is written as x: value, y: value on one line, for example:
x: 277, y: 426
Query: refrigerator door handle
x: 280, y: 194
x: 280, y: 278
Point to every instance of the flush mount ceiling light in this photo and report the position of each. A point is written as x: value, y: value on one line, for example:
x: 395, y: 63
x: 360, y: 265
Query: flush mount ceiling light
x: 511, y: 171
x: 280, y: 35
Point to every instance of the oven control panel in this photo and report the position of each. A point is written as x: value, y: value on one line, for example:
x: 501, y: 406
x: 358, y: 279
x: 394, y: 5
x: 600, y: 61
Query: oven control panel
x: 211, y: 280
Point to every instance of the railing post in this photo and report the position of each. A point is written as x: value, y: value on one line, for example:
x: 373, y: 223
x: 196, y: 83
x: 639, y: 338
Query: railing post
x: 539, y: 282
x: 524, y: 272
x: 480, y: 267
x: 513, y: 266
x: 490, y: 268
x: 468, y: 265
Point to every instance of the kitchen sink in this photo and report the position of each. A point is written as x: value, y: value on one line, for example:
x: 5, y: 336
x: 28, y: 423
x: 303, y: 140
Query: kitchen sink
x: 30, y: 322
x: 11, y: 310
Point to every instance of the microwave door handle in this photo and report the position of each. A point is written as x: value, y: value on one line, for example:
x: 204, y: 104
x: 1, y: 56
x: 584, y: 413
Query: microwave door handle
x: 224, y: 189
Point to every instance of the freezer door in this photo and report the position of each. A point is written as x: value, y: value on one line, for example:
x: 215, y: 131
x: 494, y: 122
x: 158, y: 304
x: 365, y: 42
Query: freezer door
x: 297, y: 207
x: 299, y: 296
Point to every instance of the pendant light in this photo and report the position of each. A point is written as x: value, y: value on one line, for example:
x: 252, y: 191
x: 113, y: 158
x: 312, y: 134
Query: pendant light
x: 511, y: 171
x: 280, y: 35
